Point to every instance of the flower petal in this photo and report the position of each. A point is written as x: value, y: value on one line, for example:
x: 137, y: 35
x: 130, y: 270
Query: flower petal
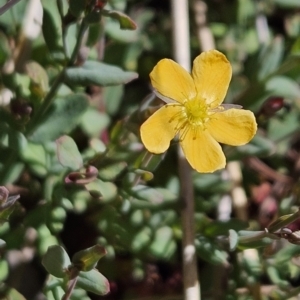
x: 160, y: 128
x: 203, y: 153
x: 173, y: 81
x: 233, y: 127
x: 212, y: 74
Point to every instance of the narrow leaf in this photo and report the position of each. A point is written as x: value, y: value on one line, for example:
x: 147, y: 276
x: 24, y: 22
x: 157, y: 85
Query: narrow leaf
x: 94, y: 282
x: 125, y: 21
x: 97, y: 73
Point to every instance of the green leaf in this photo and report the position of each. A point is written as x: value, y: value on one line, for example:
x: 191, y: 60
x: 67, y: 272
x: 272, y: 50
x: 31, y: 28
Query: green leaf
x: 280, y: 128
x: 216, y: 228
x: 87, y: 259
x: 8, y: 207
x: 210, y: 251
x: 94, y: 282
x: 284, y: 87
x: 163, y: 245
x: 283, y: 221
x: 276, y: 278
x: 93, y: 122
x: 4, y: 269
x: 68, y: 154
x: 253, y: 239
x: 145, y: 175
x: 12, y: 20
x: 233, y: 239
x: 287, y: 3
x: 252, y: 263
x: 106, y: 191
x: 4, y: 49
x: 2, y: 244
x: 259, y: 146
x: 112, y: 171
x: 16, y: 140
x: 141, y: 239
x: 35, y: 156
x: 56, y: 261
x: 270, y: 57
x: 94, y: 34
x: 285, y: 254
x: 63, y: 116
x: 13, y: 294
x: 211, y: 183
x: 124, y: 21
x: 53, y: 288
x: 97, y: 73
x: 149, y: 194
x: 38, y: 76
x: 112, y: 98
x: 52, y: 26
x: 77, y: 7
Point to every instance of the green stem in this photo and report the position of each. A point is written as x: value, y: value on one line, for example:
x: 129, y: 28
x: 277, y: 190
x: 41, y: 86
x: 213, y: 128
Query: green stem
x: 46, y: 104
x: 48, y: 100
x: 145, y: 161
x: 82, y: 29
x: 58, y: 81
x: 71, y: 286
x: 64, y: 28
x: 60, y: 8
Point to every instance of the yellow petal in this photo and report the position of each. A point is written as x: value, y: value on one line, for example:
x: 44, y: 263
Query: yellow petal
x: 159, y: 129
x: 233, y: 127
x: 212, y: 74
x: 172, y: 80
x: 203, y: 153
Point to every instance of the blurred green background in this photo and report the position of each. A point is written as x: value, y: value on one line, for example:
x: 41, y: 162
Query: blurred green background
x: 74, y: 90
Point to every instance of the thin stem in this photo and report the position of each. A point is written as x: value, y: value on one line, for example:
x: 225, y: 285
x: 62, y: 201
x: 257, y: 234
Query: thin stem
x: 181, y: 48
x: 190, y: 272
x: 64, y: 28
x: 7, y: 6
x: 145, y: 161
x: 82, y: 29
x: 58, y: 81
x: 46, y: 103
x: 71, y: 286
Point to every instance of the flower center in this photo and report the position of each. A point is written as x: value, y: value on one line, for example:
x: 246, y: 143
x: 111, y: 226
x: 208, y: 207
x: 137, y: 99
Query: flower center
x: 196, y: 112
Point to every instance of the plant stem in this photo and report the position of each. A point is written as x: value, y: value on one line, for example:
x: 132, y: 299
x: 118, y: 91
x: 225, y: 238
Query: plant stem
x: 181, y: 48
x: 7, y: 6
x: 58, y: 81
x: 82, y: 29
x: 145, y: 161
x: 71, y: 286
x: 189, y: 261
x: 46, y: 103
x: 64, y: 27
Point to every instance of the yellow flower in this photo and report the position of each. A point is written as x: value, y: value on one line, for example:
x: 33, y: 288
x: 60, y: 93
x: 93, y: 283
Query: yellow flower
x: 194, y: 112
